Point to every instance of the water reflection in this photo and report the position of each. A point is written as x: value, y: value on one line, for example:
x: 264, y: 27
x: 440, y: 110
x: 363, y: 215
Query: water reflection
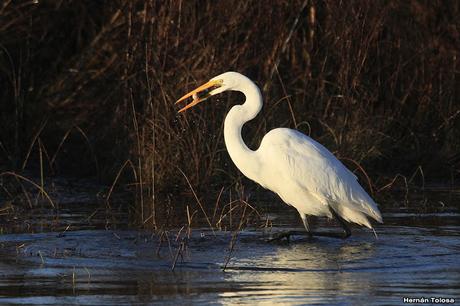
x: 306, y: 270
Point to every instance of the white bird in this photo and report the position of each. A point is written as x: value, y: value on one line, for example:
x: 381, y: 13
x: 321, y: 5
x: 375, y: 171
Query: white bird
x: 300, y: 170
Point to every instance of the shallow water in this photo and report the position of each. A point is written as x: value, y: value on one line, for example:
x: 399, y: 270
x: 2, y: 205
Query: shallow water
x: 415, y: 255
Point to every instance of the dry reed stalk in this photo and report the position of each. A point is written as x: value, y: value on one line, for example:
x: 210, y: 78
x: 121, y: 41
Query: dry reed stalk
x: 198, y: 201
x: 393, y: 181
x: 374, y: 81
x: 128, y: 162
x: 234, y: 239
x: 418, y: 170
x: 40, y: 189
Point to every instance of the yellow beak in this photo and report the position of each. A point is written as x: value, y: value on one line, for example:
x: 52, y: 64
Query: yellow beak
x: 199, y: 94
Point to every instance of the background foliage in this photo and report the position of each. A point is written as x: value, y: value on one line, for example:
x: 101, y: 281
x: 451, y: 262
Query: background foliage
x: 88, y: 87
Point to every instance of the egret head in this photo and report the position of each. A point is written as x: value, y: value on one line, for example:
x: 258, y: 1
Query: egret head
x: 216, y: 85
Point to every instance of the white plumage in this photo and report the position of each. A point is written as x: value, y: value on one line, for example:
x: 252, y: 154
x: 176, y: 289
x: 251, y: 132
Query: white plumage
x: 300, y: 170
x: 312, y: 175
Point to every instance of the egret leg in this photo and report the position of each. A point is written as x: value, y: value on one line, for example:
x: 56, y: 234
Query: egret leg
x: 306, y: 225
x: 288, y: 234
x: 310, y: 234
x: 342, y: 222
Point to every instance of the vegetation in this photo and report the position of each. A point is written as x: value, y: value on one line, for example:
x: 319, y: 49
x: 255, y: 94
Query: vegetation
x: 88, y: 89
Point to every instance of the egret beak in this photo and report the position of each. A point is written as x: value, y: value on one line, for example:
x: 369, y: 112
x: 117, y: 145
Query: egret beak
x: 200, y: 94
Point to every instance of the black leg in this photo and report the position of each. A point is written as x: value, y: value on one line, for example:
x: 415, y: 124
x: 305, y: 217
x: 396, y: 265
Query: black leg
x: 343, y: 223
x: 306, y: 225
x: 310, y: 234
x: 288, y: 234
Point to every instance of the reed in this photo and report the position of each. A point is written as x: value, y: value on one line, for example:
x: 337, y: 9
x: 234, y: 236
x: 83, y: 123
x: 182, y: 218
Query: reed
x: 374, y: 81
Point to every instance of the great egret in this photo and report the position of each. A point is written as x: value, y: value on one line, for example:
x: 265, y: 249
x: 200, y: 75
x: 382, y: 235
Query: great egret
x: 300, y: 170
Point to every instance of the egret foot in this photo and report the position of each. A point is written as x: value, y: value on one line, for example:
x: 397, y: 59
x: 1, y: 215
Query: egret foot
x: 288, y: 234
x: 346, y: 230
x: 310, y: 235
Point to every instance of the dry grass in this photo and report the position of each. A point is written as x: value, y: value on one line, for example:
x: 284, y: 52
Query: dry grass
x: 375, y: 81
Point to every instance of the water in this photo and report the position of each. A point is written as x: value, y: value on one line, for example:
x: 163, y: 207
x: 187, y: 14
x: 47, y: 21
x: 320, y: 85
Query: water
x: 416, y: 255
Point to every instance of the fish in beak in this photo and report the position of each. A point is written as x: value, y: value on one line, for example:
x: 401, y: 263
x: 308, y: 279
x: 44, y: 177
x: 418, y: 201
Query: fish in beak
x: 200, y: 94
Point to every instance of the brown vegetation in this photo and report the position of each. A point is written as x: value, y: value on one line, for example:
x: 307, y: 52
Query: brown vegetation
x: 88, y: 87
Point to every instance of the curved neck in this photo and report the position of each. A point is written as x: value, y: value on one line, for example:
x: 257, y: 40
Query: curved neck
x: 243, y: 157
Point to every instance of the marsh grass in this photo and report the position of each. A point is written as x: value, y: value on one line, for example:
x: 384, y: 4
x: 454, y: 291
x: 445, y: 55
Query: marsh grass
x: 89, y: 90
